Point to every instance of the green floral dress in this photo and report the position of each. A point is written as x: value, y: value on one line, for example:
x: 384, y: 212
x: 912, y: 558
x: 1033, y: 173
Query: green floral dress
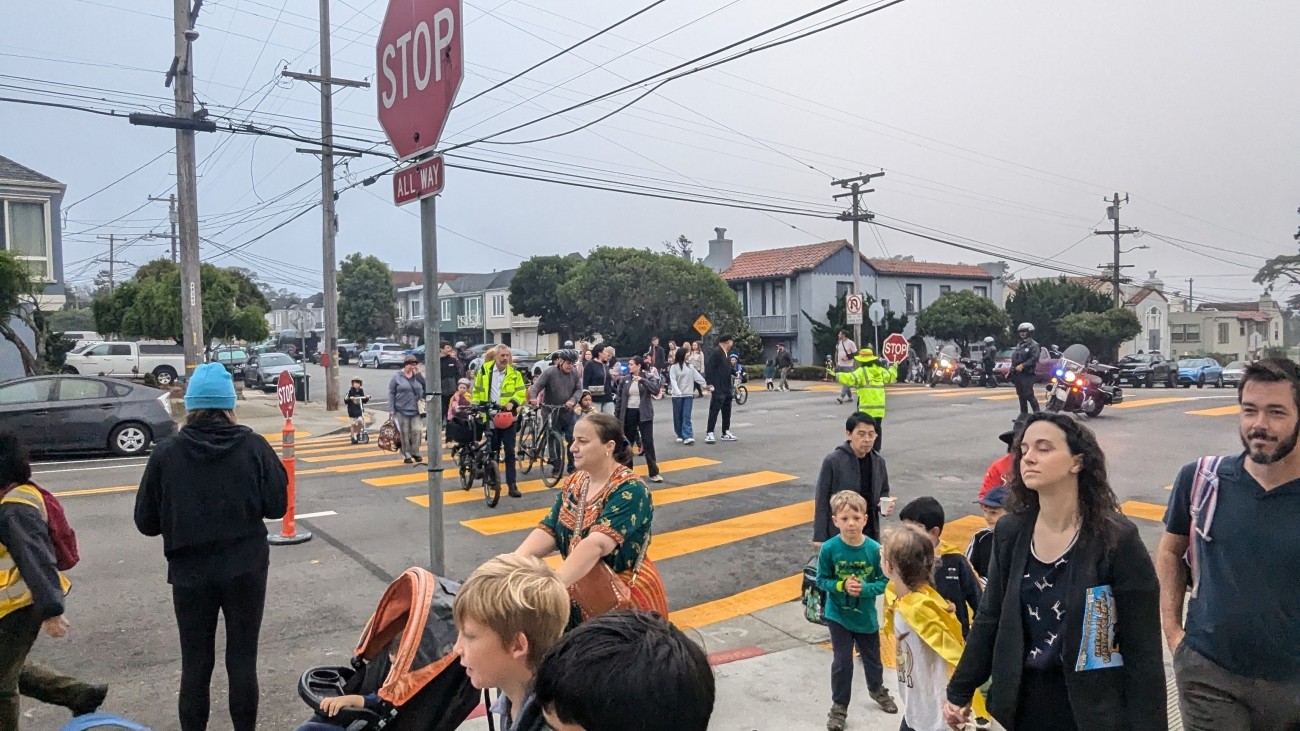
x: 622, y: 510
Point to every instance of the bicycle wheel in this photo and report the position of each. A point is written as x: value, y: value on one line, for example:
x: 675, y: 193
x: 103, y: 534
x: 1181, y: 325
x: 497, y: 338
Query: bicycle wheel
x: 552, y: 451
x: 465, y: 462
x: 526, y: 448
x: 491, y: 484
x: 742, y: 395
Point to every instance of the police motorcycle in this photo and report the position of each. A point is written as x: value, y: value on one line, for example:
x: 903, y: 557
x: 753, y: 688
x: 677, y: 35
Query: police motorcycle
x: 1079, y: 388
x: 948, y: 367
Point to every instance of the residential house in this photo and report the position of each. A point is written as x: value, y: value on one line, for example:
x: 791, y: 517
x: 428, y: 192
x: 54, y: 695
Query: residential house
x: 31, y: 228
x: 1149, y: 301
x: 285, y: 313
x: 775, y: 286
x: 1237, y: 330
x: 475, y: 308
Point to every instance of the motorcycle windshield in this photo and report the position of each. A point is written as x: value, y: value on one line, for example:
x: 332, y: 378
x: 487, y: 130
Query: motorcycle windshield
x: 950, y: 351
x: 1078, y: 353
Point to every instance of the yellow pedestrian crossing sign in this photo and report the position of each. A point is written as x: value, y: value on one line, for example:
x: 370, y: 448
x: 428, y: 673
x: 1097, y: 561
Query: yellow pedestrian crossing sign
x: 703, y: 326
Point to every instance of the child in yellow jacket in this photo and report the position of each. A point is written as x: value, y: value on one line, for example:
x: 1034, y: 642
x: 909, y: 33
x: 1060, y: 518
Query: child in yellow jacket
x: 927, y: 633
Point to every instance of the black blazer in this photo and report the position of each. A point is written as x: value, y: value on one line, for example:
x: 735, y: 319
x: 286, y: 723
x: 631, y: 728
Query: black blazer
x: 717, y: 370
x: 1127, y: 698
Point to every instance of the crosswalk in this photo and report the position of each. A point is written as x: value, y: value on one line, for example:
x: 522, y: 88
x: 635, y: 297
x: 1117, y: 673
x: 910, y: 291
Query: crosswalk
x: 1198, y: 401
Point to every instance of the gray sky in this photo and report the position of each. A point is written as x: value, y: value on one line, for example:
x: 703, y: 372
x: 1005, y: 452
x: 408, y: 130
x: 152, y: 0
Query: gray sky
x: 1004, y: 122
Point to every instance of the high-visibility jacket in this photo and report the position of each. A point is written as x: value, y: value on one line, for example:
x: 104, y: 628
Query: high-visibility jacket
x: 512, y: 387
x: 869, y: 379
x: 14, y: 590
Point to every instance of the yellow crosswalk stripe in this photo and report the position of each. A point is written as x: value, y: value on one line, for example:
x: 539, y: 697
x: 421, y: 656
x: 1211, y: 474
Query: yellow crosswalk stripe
x: 1150, y: 402
x: 745, y: 602
x: 96, y: 491
x: 1000, y: 397
x: 276, y: 435
x: 1220, y: 411
x: 497, y: 524
x: 381, y: 464
x: 452, y: 494
x: 1145, y: 511
x: 361, y: 454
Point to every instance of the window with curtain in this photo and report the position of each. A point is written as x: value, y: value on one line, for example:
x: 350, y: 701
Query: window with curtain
x: 26, y: 235
x: 778, y: 298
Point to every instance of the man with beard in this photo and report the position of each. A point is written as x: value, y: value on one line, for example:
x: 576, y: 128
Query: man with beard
x: 1237, y: 660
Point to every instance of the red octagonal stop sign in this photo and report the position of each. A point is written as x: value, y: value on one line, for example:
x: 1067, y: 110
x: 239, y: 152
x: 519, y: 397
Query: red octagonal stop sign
x: 420, y: 69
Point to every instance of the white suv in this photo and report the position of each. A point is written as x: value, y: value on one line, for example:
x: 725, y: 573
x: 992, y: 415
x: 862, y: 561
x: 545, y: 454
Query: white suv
x: 379, y: 355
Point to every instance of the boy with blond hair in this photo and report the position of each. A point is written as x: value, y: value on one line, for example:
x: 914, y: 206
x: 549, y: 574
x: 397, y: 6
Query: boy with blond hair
x: 509, y: 613
x: 848, y: 570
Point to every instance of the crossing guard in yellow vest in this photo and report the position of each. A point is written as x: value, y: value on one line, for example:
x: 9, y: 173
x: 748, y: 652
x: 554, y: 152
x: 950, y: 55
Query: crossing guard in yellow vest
x: 869, y: 379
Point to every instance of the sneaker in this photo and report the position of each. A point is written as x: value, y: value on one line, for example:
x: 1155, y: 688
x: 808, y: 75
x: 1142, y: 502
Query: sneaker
x: 884, y: 700
x: 839, y: 400
x: 418, y: 459
x: 89, y: 700
x: 836, y: 718
x: 408, y: 460
x: 680, y: 440
x: 708, y: 438
x: 688, y: 441
x: 727, y: 436
x: 514, y: 492
x: 656, y: 478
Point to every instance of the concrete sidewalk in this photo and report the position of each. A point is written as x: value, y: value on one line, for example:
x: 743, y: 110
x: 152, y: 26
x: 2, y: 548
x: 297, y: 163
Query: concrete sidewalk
x: 261, y: 412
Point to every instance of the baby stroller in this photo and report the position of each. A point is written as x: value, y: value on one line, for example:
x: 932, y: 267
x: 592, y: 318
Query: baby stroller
x: 423, y: 685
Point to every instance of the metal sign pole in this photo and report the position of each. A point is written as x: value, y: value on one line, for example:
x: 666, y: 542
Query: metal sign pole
x: 433, y: 377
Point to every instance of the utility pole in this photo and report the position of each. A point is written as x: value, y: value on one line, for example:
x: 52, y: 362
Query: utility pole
x: 112, y: 241
x: 171, y: 216
x: 858, y: 214
x: 329, y: 219
x: 1190, y: 299
x: 187, y: 192
x: 1112, y: 212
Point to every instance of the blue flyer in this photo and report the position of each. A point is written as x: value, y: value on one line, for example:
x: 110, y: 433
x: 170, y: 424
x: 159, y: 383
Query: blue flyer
x: 1098, y: 649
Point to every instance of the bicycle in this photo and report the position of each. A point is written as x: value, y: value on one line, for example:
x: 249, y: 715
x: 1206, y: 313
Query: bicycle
x: 542, y: 440
x: 530, y: 426
x: 741, y: 392
x: 475, y: 457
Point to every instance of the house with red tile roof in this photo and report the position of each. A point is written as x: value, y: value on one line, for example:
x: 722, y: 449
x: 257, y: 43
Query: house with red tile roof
x: 776, y: 286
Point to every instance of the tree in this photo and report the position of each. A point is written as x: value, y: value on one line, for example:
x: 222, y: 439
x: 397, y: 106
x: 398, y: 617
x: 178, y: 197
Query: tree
x: 72, y: 319
x: 1045, y: 303
x: 1284, y: 266
x: 630, y: 295
x: 1102, y: 332
x: 962, y: 317
x: 680, y: 247
x: 535, y: 292
x: 18, y: 303
x: 367, y: 301
x: 825, y: 334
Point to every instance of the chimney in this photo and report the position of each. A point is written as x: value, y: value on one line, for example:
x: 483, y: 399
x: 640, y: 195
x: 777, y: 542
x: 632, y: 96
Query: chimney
x: 719, y: 257
x: 1153, y: 281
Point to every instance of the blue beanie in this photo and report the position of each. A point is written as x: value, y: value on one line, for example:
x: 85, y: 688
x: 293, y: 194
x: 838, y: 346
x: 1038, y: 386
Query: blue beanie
x: 211, y: 387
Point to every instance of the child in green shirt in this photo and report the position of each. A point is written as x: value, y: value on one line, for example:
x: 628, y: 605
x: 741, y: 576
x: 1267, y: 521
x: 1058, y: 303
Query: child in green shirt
x: 848, y: 570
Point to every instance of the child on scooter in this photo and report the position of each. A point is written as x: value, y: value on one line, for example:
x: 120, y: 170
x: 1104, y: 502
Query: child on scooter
x: 356, y: 400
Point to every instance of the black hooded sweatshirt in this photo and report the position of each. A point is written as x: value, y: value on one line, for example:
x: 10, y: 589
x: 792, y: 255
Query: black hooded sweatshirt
x: 206, y: 491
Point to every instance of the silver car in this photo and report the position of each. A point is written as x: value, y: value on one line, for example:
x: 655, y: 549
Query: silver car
x: 263, y: 370
x: 380, y: 355
x: 1233, y: 372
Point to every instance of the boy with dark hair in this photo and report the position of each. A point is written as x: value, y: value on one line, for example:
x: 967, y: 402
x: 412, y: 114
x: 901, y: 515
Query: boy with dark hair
x: 626, y: 671
x: 954, y: 578
x: 356, y: 400
x: 980, y: 551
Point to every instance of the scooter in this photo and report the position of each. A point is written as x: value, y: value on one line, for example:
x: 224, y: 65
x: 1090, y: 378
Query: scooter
x: 1078, y: 388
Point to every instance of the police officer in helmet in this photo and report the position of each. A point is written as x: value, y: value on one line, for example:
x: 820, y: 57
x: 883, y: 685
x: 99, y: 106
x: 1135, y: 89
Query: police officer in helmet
x: 1024, y: 363
x: 989, y: 354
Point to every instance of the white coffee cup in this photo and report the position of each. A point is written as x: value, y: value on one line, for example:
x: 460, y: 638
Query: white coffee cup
x: 887, y: 505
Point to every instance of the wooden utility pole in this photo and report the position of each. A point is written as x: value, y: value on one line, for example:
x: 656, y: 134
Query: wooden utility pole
x: 858, y: 214
x: 112, y: 242
x: 171, y: 216
x: 329, y: 219
x: 187, y: 192
x: 1112, y: 212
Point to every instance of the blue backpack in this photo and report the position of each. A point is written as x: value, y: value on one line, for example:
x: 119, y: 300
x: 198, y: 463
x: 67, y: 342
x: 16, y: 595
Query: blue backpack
x: 102, y: 722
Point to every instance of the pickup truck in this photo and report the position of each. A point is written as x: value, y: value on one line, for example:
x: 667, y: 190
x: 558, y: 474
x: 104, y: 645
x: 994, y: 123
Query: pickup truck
x: 129, y: 360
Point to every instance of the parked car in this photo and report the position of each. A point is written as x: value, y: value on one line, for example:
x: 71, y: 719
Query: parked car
x: 379, y: 355
x: 348, y: 352
x: 1200, y: 371
x: 1147, y: 369
x: 233, y: 357
x: 1233, y: 372
x: 1002, y: 364
x: 263, y: 370
x: 129, y: 360
x: 417, y: 351
x: 56, y: 414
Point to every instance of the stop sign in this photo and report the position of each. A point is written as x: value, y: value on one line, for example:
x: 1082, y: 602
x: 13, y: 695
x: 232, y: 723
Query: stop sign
x: 894, y: 348
x: 420, y: 69
x: 285, y: 393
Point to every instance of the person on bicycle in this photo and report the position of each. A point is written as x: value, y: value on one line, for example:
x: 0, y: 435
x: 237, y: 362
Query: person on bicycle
x: 499, y: 382
x: 561, y: 390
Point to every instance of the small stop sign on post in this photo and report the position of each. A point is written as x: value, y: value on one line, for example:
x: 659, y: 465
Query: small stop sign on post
x: 420, y: 69
x: 284, y: 390
x: 895, y: 348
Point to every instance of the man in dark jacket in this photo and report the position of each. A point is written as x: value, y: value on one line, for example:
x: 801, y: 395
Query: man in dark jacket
x: 784, y: 362
x: 853, y: 465
x: 718, y: 374
x: 31, y: 595
x: 1024, y: 365
x: 560, y: 388
x: 657, y: 353
x: 450, y: 371
x: 596, y: 379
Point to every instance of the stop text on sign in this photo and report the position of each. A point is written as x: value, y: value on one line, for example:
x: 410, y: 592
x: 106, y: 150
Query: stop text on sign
x: 418, y: 51
x: 418, y: 181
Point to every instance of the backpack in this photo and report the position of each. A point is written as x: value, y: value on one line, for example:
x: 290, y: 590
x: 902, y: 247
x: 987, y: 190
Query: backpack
x: 62, y: 537
x: 814, y: 599
x: 1203, y: 502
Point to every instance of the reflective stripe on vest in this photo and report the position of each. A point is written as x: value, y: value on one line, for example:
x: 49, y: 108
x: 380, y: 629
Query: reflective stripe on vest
x: 14, y: 594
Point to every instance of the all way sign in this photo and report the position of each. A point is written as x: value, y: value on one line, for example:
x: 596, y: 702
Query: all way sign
x: 418, y: 181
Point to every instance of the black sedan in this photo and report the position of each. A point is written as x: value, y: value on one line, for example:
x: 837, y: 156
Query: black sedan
x: 57, y: 414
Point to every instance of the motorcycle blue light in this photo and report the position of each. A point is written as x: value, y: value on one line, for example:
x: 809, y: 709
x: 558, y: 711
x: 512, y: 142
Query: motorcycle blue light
x: 1060, y: 373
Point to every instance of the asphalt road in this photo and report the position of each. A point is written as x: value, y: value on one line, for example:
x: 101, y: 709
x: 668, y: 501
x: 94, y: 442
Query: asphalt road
x: 731, y: 526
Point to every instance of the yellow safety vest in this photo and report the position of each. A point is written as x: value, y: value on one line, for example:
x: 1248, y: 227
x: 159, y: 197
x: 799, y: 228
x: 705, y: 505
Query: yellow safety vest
x: 870, y: 379
x: 14, y: 594
x: 512, y: 385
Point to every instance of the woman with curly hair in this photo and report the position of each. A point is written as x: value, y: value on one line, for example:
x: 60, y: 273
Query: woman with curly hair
x: 1069, y: 628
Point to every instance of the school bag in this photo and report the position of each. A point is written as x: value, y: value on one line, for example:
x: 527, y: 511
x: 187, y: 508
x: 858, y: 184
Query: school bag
x: 814, y: 599
x: 1203, y: 502
x: 63, y: 538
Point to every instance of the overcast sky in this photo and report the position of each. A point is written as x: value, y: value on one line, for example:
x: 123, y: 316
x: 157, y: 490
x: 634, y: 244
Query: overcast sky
x: 1003, y: 121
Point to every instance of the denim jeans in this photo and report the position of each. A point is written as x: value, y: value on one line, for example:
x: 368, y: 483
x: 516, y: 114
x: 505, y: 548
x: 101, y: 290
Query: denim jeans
x: 682, y: 407
x: 842, y: 643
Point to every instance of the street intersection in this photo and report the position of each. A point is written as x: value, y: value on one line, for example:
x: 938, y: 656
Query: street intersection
x: 731, y: 525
